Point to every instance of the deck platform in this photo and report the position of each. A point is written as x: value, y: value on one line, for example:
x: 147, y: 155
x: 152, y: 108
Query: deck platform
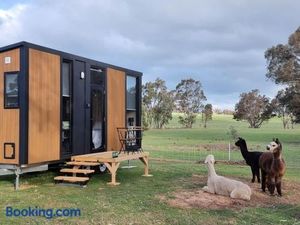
x: 113, y: 163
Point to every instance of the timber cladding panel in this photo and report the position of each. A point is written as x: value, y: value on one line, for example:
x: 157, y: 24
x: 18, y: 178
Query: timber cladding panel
x: 9, y: 118
x: 115, y: 107
x: 44, y: 107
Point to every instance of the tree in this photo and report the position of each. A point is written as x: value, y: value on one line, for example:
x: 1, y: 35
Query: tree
x: 282, y: 109
x: 207, y: 113
x: 253, y: 108
x: 158, y: 104
x: 284, y: 68
x: 189, y: 98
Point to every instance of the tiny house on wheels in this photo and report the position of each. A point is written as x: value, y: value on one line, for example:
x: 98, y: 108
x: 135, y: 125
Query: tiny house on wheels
x: 55, y: 105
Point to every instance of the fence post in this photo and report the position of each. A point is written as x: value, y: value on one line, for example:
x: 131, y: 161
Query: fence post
x: 229, y: 151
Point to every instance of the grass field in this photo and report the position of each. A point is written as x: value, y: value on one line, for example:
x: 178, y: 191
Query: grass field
x: 137, y: 200
x: 194, y: 144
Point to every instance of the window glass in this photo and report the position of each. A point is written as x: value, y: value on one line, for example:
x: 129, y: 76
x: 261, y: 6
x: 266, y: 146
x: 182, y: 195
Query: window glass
x: 66, y: 72
x: 97, y: 76
x: 66, y: 108
x: 131, y: 93
x: 11, y: 90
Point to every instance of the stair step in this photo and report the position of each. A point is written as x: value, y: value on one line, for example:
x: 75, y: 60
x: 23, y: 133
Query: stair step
x: 71, y: 179
x: 81, y: 163
x: 77, y: 171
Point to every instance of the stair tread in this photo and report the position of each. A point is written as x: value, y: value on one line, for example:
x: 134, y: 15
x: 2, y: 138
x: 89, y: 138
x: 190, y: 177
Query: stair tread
x: 82, y: 163
x: 71, y: 179
x: 76, y: 171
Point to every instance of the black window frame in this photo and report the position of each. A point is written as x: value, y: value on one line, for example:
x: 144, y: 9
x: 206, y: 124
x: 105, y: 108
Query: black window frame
x: 5, y: 94
x: 13, y: 146
x: 136, y: 93
x: 67, y: 152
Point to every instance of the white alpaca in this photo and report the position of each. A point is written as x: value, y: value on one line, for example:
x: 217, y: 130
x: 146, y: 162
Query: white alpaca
x: 224, y: 186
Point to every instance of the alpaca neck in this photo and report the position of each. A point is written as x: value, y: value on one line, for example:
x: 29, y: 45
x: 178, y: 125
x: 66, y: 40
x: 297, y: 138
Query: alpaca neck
x: 277, y: 164
x: 277, y: 155
x: 211, y: 170
x: 277, y: 159
x: 244, y: 151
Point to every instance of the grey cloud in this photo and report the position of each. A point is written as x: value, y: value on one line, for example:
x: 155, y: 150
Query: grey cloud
x: 221, y: 43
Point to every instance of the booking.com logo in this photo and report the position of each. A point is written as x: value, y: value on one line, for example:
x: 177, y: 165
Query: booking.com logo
x: 40, y: 212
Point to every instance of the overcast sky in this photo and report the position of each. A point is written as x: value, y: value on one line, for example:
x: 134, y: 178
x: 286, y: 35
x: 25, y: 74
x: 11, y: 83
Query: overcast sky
x: 219, y: 42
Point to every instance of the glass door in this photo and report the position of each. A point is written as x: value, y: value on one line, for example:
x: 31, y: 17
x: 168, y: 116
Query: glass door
x: 97, y: 110
x: 97, y: 118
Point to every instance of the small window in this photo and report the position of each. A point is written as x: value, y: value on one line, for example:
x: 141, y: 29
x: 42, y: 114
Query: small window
x: 97, y: 76
x: 131, y: 93
x: 11, y: 90
x: 9, y: 150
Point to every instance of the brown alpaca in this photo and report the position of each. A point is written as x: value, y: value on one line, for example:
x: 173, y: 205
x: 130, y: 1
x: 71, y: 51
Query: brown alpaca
x: 272, y: 167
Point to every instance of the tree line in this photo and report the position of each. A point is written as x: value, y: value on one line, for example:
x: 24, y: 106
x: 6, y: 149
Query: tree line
x: 283, y: 67
x: 187, y: 98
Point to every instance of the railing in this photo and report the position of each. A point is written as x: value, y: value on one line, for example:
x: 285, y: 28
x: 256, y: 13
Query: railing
x: 130, y: 138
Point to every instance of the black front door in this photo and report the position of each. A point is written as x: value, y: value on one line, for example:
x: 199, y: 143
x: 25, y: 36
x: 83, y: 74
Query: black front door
x: 81, y: 109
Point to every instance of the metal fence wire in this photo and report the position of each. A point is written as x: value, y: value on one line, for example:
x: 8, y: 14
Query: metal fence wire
x: 226, y: 152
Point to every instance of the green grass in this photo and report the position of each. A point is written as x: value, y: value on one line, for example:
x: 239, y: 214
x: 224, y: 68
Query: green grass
x: 136, y: 200
x: 196, y: 143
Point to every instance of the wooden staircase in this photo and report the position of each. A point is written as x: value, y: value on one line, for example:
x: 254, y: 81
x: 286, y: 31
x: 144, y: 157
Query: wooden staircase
x: 81, y: 168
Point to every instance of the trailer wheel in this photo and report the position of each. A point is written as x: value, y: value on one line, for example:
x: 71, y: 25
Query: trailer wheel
x: 102, y: 168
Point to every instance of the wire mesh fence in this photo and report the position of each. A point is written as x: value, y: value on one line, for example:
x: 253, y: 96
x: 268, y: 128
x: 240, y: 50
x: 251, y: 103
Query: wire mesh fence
x: 222, y: 151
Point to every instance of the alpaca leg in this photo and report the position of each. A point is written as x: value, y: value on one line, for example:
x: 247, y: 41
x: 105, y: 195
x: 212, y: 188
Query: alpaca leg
x: 253, y: 174
x: 257, y: 174
x: 272, y: 188
x: 271, y: 185
x: 278, y: 186
x: 234, y: 194
x: 263, y: 180
x: 239, y: 194
x: 206, y: 189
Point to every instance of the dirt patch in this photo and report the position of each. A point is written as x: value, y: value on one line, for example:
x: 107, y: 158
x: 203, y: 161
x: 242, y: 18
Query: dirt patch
x: 196, y: 198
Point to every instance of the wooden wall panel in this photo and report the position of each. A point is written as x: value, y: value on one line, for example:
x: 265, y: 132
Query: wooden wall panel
x: 115, y: 107
x: 9, y: 118
x: 44, y: 107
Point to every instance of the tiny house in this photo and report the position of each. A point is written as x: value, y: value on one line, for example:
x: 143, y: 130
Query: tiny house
x: 55, y: 105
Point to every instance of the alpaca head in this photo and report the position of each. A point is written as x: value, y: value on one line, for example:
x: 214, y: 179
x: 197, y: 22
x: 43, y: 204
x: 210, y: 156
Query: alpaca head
x: 277, y: 151
x: 240, y: 142
x: 210, y: 159
x: 274, y: 145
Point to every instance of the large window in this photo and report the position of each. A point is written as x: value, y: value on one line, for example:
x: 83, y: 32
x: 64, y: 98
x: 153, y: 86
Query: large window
x: 11, y: 90
x: 131, y: 93
x: 66, y: 107
x: 131, y: 100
